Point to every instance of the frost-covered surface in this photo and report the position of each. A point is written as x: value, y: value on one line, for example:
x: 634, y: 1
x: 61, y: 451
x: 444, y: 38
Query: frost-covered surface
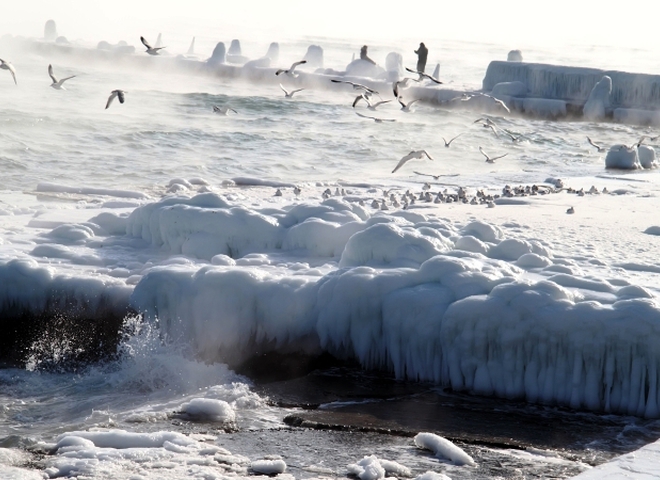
x: 641, y: 464
x: 162, y: 206
x: 443, y: 448
x: 629, y: 90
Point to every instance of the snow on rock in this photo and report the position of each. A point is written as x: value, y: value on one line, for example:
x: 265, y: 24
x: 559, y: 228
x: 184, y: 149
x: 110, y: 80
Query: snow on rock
x: 392, y: 245
x: 268, y: 466
x: 646, y: 156
x: 574, y: 84
x: 544, y: 107
x: 111, y: 223
x: 598, y: 102
x: 514, y: 56
x: 433, y: 312
x: 483, y: 231
x: 636, y: 116
x: 443, y: 448
x: 509, y: 89
x: 121, y: 439
x: 432, y: 476
x: 622, y: 156
x: 33, y: 288
x: 373, y: 468
x: 653, y: 230
x: 209, y: 409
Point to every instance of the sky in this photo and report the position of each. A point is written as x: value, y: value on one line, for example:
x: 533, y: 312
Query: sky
x: 517, y: 23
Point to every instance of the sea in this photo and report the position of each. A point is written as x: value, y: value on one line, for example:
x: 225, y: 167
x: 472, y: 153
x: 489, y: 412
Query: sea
x: 186, y: 294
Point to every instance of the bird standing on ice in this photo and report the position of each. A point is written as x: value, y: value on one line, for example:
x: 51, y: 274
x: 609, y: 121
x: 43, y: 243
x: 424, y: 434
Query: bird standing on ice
x: 8, y: 66
x: 57, y: 84
x: 291, y: 72
x: 115, y: 93
x: 150, y: 50
x: 413, y: 155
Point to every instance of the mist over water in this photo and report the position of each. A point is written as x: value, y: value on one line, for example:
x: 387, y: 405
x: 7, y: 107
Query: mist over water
x: 167, y: 130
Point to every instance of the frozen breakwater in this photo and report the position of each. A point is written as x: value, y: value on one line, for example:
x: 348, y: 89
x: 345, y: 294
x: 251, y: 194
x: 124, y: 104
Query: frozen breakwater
x: 634, y: 97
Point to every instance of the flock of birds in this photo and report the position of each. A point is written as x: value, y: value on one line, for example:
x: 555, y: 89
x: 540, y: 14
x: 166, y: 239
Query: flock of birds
x: 59, y: 84
x: 366, y: 95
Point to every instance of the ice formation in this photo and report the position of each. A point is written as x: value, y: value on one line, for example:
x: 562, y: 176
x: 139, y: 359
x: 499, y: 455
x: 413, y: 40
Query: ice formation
x: 419, y: 296
x: 443, y: 448
x: 574, y: 84
x: 598, y: 103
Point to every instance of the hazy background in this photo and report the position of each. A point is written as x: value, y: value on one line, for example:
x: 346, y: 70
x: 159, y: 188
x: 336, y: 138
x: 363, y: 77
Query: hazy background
x: 517, y: 23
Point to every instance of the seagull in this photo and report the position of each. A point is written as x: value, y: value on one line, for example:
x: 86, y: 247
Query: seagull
x: 401, y: 84
x: 370, y: 106
x: 376, y: 119
x: 414, y: 154
x: 356, y: 86
x: 8, y: 66
x: 469, y: 96
x: 424, y: 75
x: 224, y: 110
x: 150, y: 50
x: 496, y: 100
x: 491, y: 159
x: 488, y: 123
x: 291, y: 72
x: 57, y: 84
x: 447, y: 143
x: 598, y: 148
x: 404, y: 107
x: 435, y: 177
x: 115, y: 93
x: 513, y: 138
x: 289, y: 94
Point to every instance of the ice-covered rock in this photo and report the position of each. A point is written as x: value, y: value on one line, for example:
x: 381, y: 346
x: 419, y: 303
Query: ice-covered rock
x: 219, y: 55
x: 622, y: 156
x: 545, y: 107
x: 598, y: 103
x: 510, y: 89
x: 314, y: 56
x: 646, y: 156
x: 514, y: 56
x: 394, y: 66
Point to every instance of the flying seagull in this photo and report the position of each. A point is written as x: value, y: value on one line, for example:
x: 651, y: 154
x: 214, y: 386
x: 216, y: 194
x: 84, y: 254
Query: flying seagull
x: 8, y: 66
x: 406, y: 107
x: 370, y: 106
x: 289, y: 94
x: 598, y: 148
x: 150, y: 50
x: 413, y: 155
x: 291, y: 72
x: 401, y: 84
x: 435, y: 177
x: 424, y: 75
x: 491, y: 159
x: 57, y: 84
x: 357, y: 86
x: 376, y: 119
x: 115, y: 93
x: 447, y: 143
x: 224, y: 110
